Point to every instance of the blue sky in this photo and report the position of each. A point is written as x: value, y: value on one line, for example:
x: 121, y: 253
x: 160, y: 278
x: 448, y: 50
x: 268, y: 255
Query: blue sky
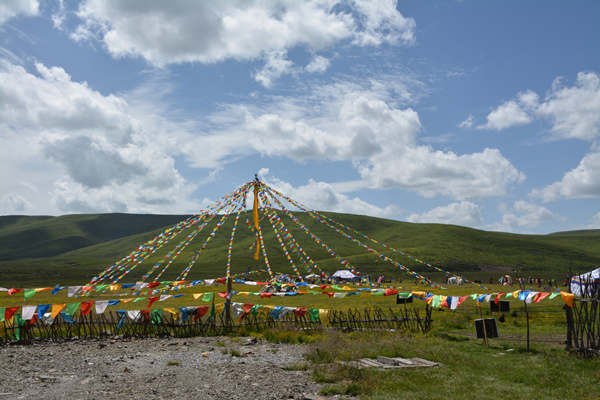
x: 483, y: 114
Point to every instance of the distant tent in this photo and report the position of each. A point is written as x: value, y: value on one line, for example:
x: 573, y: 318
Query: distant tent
x: 312, y: 276
x: 344, y: 274
x: 586, y: 285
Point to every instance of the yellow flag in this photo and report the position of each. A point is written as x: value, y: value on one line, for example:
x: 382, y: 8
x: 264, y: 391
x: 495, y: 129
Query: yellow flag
x: 255, y: 217
x: 569, y: 298
x: 197, y: 295
x: 126, y: 300
x: 57, y: 308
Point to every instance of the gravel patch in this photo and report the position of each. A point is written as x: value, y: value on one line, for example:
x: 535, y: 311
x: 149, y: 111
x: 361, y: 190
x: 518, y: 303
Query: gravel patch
x: 193, y: 368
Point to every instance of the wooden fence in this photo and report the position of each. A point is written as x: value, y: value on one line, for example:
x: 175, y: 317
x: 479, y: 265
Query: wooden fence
x: 583, y: 326
x: 165, y: 324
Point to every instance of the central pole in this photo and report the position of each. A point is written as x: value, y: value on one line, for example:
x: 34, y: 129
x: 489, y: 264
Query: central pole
x: 255, y: 217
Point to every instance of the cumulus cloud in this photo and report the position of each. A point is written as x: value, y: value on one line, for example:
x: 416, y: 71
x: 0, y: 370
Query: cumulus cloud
x: 573, y: 111
x: 13, y: 203
x: 276, y: 64
x: 95, y: 152
x: 318, y: 64
x: 181, y: 31
x: 523, y: 214
x: 360, y: 124
x: 323, y: 196
x: 581, y: 182
x: 508, y: 114
x: 460, y: 213
x: 595, y: 221
x: 12, y: 8
x: 467, y: 123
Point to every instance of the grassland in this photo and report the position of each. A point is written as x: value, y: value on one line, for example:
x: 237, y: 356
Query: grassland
x: 37, y: 251
x: 41, y: 251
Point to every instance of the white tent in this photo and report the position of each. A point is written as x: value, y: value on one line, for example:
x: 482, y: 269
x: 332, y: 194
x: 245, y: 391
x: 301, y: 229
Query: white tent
x: 587, y: 284
x: 312, y: 276
x: 343, y: 274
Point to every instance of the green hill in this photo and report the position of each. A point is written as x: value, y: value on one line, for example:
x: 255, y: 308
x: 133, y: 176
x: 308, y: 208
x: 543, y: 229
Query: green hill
x: 72, y: 248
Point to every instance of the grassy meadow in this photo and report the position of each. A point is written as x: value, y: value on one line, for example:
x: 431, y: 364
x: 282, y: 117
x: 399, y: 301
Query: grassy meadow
x: 43, y: 251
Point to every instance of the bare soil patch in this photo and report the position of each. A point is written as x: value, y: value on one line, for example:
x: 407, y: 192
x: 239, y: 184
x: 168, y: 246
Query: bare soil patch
x: 231, y: 368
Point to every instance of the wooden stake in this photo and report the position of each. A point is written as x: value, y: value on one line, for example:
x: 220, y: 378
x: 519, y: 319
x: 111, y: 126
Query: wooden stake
x: 485, y: 339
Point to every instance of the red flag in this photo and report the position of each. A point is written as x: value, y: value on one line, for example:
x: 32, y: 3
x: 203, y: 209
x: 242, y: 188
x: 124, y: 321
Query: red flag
x: 12, y: 291
x: 540, y: 296
x: 300, y: 311
x: 390, y: 292
x: 499, y: 296
x: 330, y: 294
x: 266, y: 294
x: 153, y: 284
x: 151, y: 301
x: 222, y: 294
x: 247, y: 307
x: 86, y: 307
x: 323, y: 287
x: 9, y: 312
x: 146, y: 314
x: 221, y: 281
x: 461, y: 299
x: 200, y: 311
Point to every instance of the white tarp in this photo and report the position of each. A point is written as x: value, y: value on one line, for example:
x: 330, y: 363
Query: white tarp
x: 343, y: 274
x: 587, y: 284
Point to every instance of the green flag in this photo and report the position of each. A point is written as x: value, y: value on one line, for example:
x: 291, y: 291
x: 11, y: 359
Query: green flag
x: 208, y: 296
x: 72, y: 308
x: 29, y: 293
x: 314, y: 314
x: 212, y: 311
x: 100, y: 287
x: 254, y: 309
x: 156, y: 316
x: 138, y: 299
x: 405, y: 295
x: 19, y: 323
x: 2, y: 311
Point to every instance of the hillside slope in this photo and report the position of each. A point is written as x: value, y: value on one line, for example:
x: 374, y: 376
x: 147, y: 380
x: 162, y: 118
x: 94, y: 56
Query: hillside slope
x: 33, y: 237
x: 71, y: 249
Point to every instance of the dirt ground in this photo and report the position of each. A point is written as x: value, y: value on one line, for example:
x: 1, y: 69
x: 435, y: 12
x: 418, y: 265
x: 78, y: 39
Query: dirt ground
x: 231, y: 368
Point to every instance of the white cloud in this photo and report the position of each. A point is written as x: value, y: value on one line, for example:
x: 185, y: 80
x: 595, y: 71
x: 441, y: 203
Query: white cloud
x: 461, y: 213
x: 581, y: 182
x: 12, y: 8
x: 357, y: 123
x: 595, y: 221
x: 506, y: 115
x: 276, y: 64
x: 323, y: 196
x: 84, y: 150
x: 180, y: 31
x: 574, y: 111
x: 12, y: 203
x: 318, y: 64
x: 523, y: 214
x: 467, y: 123
x: 437, y: 173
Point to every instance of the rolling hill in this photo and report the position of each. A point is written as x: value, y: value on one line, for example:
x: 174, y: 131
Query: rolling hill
x: 72, y: 248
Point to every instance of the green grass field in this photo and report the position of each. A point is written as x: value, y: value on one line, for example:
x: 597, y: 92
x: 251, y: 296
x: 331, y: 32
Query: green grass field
x: 43, y: 251
x: 39, y: 251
